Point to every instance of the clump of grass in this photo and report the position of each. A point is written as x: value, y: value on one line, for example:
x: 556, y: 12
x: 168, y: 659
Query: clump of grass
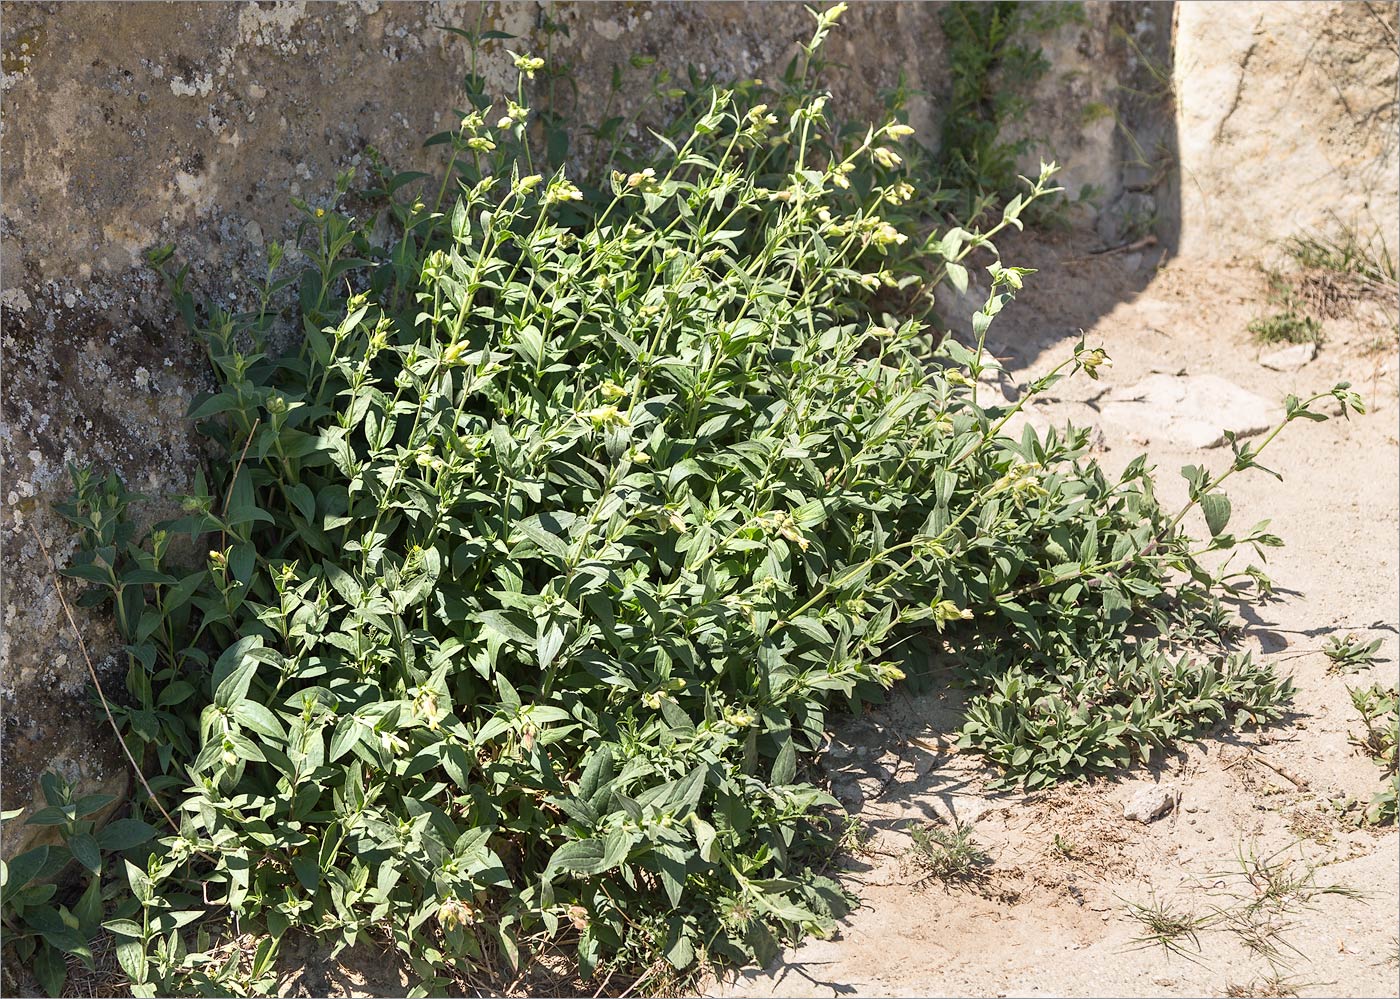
x: 1327, y: 276
x: 1385, y: 343
x: 1264, y: 890
x: 1350, y: 653
x: 1286, y: 327
x: 1367, y: 260
x: 1281, y: 883
x: 1168, y: 926
x: 946, y: 853
x: 1271, y: 987
x: 1260, y: 932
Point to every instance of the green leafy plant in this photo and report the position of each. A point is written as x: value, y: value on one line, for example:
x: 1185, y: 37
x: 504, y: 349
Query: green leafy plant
x: 1349, y: 653
x: 993, y: 62
x: 1082, y: 685
x: 534, y: 568
x: 1377, y: 706
x: 1104, y: 713
x: 43, y: 924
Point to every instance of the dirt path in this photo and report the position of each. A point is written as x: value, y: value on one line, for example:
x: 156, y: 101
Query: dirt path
x: 1053, y: 915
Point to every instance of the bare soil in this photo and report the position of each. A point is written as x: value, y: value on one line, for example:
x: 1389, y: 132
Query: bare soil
x: 1052, y: 913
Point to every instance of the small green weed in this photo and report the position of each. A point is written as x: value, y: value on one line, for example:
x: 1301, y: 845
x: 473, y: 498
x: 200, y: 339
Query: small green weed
x: 1327, y: 275
x: 946, y: 852
x: 1292, y: 320
x: 1261, y: 891
x: 1260, y: 932
x: 1269, y: 987
x: 1350, y: 653
x: 854, y: 836
x: 1379, y: 708
x: 1286, y: 327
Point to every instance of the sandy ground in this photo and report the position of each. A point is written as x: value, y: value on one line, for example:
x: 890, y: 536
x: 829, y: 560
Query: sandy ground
x: 1053, y: 914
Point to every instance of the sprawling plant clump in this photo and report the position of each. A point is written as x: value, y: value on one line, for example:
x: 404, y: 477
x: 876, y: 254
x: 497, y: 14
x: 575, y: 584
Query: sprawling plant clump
x: 533, y: 571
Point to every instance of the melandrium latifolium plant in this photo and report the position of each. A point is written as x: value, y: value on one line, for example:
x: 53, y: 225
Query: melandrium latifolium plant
x: 535, y: 568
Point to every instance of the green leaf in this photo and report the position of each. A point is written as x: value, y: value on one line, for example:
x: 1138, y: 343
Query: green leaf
x: 140, y: 884
x: 1216, y: 507
x: 348, y: 732
x: 86, y: 851
x: 233, y: 671
x: 91, y: 804
x: 88, y: 909
x: 131, y: 955
x: 260, y: 720
x: 550, y: 641
x: 780, y: 908
x: 785, y: 764
x: 597, y: 772
x: 957, y: 276
x: 581, y: 856
x: 124, y: 834
x: 175, y: 693
x: 25, y: 867
x: 50, y: 969
x: 1195, y: 476
x: 615, y: 849
x: 245, y: 748
x: 705, y: 839
x: 681, y: 952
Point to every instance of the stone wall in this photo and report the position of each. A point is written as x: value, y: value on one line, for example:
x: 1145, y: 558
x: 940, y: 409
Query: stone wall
x: 1286, y: 123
